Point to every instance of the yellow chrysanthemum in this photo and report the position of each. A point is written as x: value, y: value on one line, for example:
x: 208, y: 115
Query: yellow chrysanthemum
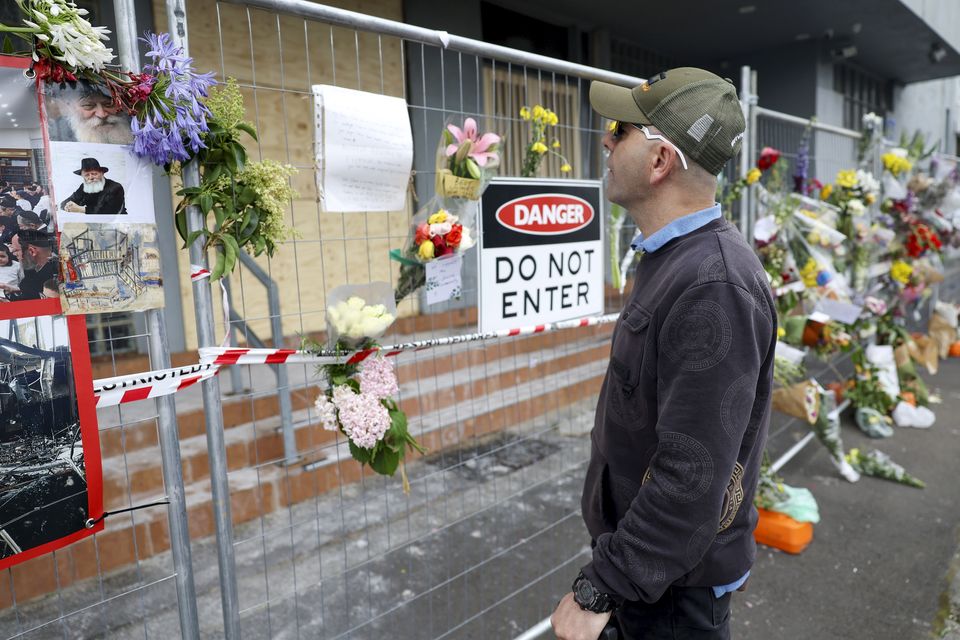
x: 896, y: 164
x: 555, y: 144
x: 753, y: 175
x: 847, y: 179
x: 525, y: 113
x: 826, y: 191
x: 539, y: 147
x: 901, y: 271
x: 566, y: 168
x: 552, y: 118
x: 538, y: 112
x: 439, y: 216
x: 809, y: 272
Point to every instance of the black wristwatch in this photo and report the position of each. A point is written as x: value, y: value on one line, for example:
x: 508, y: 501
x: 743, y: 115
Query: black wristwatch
x: 589, y: 598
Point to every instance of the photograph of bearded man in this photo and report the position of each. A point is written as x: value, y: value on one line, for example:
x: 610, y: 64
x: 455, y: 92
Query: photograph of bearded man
x: 86, y: 114
x: 97, y: 195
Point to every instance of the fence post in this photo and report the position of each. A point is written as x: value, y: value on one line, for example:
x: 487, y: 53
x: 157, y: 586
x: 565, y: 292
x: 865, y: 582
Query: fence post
x: 210, y: 388
x: 166, y: 409
x: 746, y: 97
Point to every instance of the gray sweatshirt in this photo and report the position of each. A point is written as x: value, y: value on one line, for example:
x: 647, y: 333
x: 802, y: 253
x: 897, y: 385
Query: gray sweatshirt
x: 682, y: 420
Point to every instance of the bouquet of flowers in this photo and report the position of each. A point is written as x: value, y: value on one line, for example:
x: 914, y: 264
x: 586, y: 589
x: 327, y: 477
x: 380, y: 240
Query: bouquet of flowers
x: 64, y: 45
x: 359, y: 314
x: 436, y: 233
x: 466, y: 160
x: 827, y: 430
x: 538, y: 148
x: 879, y: 465
x: 358, y: 401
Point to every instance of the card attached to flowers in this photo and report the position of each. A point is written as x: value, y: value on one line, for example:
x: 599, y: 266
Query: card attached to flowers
x: 444, y: 279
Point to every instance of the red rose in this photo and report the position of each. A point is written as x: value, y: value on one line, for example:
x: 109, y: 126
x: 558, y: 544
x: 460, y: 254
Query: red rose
x: 454, y: 236
x: 441, y: 248
x: 768, y: 157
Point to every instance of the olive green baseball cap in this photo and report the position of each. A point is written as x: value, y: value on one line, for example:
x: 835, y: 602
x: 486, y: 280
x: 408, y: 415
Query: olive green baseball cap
x: 696, y: 110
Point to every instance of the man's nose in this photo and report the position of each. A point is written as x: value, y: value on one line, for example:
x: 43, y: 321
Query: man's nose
x: 101, y: 111
x: 608, y: 141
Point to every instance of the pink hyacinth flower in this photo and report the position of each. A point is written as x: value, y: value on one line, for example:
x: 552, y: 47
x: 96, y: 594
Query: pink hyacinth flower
x: 479, y: 151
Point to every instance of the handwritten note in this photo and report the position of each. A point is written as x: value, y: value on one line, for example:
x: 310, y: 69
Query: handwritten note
x: 364, y: 149
x: 443, y: 279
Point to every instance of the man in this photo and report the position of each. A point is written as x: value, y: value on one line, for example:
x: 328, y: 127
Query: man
x: 32, y: 194
x: 86, y: 114
x: 34, y: 250
x: 28, y: 220
x: 8, y: 218
x: 98, y: 194
x: 683, y: 412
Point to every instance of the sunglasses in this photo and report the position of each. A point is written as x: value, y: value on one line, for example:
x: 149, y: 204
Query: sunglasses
x: 617, y: 133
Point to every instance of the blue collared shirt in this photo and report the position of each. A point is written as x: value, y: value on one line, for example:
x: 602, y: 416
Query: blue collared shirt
x: 676, y: 228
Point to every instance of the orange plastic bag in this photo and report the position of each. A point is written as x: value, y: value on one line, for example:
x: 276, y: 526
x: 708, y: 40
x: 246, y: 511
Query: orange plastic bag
x: 782, y: 532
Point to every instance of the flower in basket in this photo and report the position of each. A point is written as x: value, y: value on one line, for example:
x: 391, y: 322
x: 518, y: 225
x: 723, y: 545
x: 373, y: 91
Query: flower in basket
x: 466, y: 160
x: 468, y: 151
x: 359, y: 403
x: 540, y: 118
x: 65, y: 45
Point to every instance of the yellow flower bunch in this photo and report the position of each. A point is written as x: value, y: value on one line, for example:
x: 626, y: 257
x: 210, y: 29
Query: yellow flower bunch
x: 540, y: 118
x: 896, y: 164
x: 901, y: 271
x: 847, y: 179
x: 809, y: 272
x: 753, y: 175
x: 826, y: 191
x: 438, y: 217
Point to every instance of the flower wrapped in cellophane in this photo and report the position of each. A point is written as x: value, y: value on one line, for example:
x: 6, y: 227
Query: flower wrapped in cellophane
x: 879, y: 465
x: 359, y: 314
x: 436, y: 232
x: 466, y: 160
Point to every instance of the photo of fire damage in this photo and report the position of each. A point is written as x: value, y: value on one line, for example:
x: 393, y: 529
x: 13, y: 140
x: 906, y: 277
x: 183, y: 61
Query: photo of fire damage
x: 108, y: 268
x: 43, y: 484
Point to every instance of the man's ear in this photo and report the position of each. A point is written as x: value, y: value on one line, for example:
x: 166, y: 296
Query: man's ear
x: 663, y: 160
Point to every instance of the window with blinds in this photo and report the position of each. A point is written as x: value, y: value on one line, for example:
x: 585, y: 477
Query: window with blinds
x: 862, y: 93
x: 506, y: 90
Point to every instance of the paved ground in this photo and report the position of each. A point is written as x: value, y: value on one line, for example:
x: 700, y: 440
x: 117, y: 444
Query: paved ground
x: 484, y: 549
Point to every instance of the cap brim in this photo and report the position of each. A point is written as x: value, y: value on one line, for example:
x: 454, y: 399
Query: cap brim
x: 615, y: 102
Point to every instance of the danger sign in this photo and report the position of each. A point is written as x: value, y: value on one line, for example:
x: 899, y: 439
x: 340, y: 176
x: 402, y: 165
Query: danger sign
x: 541, y: 253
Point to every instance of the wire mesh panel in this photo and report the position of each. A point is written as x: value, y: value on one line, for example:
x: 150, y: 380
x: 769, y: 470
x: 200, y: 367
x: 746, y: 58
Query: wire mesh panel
x: 490, y: 533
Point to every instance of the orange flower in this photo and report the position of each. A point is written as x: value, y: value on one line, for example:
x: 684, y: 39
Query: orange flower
x: 423, y: 232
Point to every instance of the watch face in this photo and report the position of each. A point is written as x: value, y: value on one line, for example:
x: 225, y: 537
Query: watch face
x: 585, y: 592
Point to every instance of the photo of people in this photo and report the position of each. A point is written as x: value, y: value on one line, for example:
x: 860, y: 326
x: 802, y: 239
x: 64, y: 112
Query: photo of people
x: 103, y: 183
x: 23, y: 169
x: 35, y: 251
x: 108, y: 268
x: 85, y: 113
x: 44, y: 483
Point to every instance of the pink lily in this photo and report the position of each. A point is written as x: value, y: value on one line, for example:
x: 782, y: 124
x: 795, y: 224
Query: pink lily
x: 478, y: 149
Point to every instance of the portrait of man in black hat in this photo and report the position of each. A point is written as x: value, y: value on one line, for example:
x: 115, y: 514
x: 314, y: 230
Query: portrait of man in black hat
x: 98, y: 194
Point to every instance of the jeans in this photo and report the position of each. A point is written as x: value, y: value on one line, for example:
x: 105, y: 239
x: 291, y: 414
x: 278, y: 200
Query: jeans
x: 682, y: 613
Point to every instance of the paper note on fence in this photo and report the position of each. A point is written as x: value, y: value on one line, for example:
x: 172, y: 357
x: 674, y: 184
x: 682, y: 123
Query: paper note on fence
x: 444, y: 279
x: 364, y: 149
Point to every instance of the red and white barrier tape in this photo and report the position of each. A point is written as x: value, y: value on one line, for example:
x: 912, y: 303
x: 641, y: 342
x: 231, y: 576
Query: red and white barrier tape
x: 141, y: 386
x: 198, y: 272
x: 226, y: 357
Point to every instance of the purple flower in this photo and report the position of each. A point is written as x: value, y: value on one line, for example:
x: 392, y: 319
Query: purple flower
x: 803, y: 163
x: 170, y: 126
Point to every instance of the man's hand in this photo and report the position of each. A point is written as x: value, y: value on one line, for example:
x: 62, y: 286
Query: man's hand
x: 570, y: 622
x: 73, y: 207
